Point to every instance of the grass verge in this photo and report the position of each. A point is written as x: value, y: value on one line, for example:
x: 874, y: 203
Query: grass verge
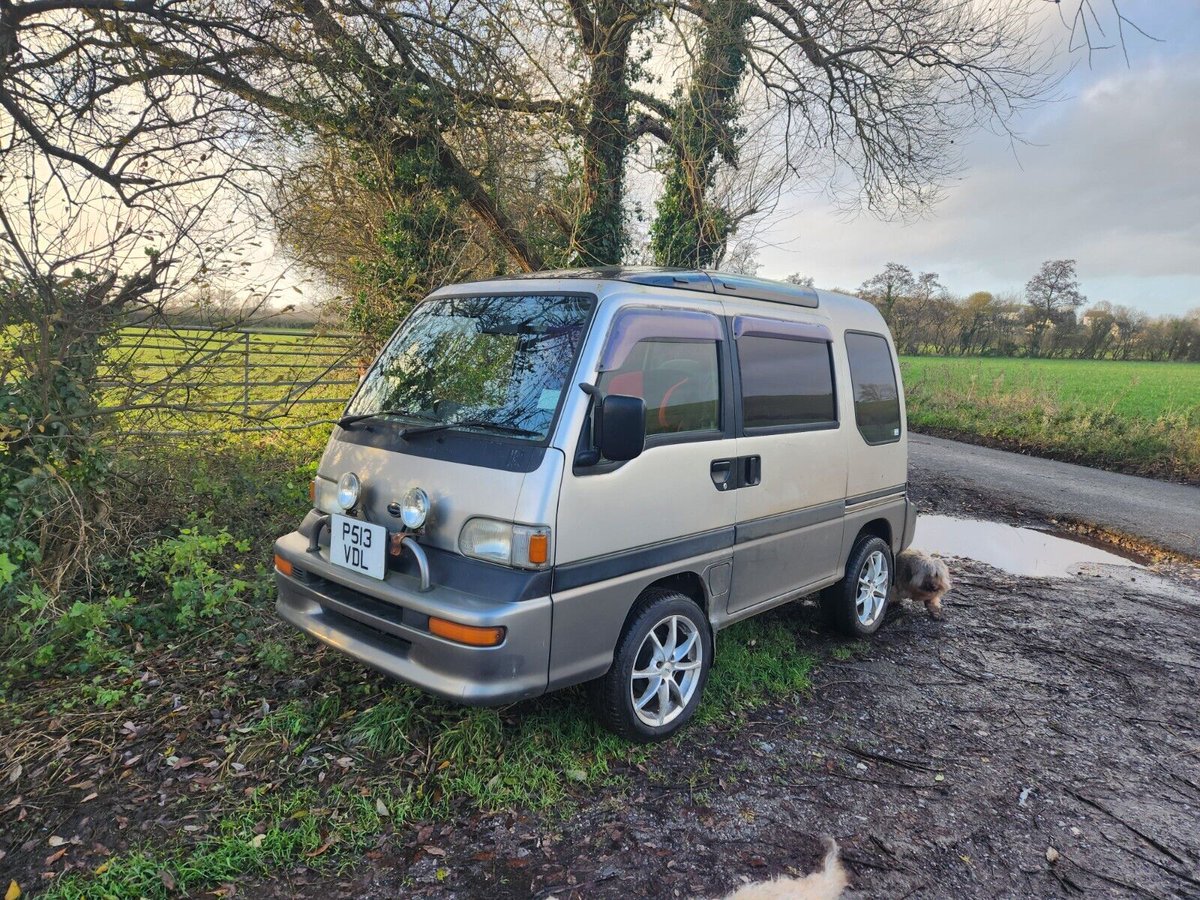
x: 1140, y: 418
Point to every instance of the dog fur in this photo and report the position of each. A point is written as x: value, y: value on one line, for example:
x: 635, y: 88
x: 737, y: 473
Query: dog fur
x: 922, y: 578
x: 826, y: 884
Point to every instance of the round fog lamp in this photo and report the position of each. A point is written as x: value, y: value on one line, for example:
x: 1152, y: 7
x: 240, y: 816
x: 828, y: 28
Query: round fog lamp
x: 414, y: 509
x: 347, y: 492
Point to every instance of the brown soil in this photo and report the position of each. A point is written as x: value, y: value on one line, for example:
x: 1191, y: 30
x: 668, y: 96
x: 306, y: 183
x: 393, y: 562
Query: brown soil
x: 947, y: 759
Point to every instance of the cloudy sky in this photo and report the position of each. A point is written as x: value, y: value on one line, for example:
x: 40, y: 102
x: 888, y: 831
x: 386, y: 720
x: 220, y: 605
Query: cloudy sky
x: 1109, y: 175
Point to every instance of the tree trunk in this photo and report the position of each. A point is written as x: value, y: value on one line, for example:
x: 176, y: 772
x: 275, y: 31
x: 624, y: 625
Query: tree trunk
x: 600, y: 234
x: 689, y: 230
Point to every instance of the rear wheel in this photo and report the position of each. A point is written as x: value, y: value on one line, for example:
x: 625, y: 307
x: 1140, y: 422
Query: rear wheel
x: 659, y: 669
x: 855, y: 606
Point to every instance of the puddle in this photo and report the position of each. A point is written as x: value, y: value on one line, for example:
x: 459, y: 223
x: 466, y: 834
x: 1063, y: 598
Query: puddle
x: 1020, y: 551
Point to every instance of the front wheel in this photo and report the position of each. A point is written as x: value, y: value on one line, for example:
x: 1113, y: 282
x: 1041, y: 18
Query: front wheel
x: 659, y: 669
x: 856, y: 604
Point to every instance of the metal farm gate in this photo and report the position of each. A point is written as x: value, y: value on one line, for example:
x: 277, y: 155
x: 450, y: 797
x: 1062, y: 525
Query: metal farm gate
x: 189, y: 381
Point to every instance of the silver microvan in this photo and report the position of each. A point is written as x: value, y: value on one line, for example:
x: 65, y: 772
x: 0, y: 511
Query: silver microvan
x: 583, y: 476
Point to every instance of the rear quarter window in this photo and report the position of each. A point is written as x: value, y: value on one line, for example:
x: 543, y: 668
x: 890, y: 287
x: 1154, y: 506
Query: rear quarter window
x: 876, y: 394
x: 786, y: 382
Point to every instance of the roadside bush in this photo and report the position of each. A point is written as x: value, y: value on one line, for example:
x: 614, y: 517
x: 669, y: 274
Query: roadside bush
x: 197, y: 525
x: 161, y: 593
x: 184, y: 567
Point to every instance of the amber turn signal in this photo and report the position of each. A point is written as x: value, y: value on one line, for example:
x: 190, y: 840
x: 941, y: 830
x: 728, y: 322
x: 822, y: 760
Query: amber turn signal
x: 539, y: 549
x: 466, y: 634
x: 282, y: 565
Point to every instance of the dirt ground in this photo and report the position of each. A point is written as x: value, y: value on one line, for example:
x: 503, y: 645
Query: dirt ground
x: 1041, y: 717
x: 1042, y: 741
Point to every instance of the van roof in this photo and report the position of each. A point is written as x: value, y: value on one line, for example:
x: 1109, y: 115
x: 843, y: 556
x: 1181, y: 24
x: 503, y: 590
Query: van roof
x: 688, y: 280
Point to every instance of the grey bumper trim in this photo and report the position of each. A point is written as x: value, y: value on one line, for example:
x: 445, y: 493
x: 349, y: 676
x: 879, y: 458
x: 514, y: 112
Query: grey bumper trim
x: 384, y: 624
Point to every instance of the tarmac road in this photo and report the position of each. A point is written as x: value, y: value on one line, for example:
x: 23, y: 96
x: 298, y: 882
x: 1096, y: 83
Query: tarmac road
x: 1162, y: 513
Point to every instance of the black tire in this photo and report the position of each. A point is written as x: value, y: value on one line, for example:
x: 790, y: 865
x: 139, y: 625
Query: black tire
x: 612, y: 695
x: 839, y: 602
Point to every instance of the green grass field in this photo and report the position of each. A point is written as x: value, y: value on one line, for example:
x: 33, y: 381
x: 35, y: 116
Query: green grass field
x: 1135, y: 417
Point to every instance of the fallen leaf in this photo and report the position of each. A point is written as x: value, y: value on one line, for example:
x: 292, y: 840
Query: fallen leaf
x: 168, y: 880
x: 56, y: 841
x: 55, y: 856
x: 92, y: 796
x: 13, y: 892
x: 381, y: 808
x: 325, y: 846
x: 433, y: 851
x: 15, y: 773
x: 1051, y: 855
x: 257, y: 840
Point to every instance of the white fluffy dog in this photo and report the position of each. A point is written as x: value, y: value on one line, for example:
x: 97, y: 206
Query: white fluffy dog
x: 827, y: 884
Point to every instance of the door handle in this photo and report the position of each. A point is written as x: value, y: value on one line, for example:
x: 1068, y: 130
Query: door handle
x: 751, y: 470
x: 721, y: 472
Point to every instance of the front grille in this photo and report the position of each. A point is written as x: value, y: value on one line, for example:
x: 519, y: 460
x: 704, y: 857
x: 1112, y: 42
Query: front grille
x: 401, y: 645
x: 366, y: 610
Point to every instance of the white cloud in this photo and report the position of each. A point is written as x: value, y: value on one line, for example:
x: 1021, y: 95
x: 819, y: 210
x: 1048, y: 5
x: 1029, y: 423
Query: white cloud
x: 1110, y: 177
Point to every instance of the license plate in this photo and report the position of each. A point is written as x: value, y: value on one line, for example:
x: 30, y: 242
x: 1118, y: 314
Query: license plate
x: 358, y: 546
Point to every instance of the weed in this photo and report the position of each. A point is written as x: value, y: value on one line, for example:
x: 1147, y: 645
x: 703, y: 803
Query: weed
x: 276, y: 656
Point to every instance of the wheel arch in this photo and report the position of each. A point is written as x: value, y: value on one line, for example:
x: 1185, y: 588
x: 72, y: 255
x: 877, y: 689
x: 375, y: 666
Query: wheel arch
x: 688, y: 583
x: 880, y: 528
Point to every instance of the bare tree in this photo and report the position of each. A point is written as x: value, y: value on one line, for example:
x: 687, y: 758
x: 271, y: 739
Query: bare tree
x: 887, y: 291
x: 877, y: 92
x: 1052, y: 295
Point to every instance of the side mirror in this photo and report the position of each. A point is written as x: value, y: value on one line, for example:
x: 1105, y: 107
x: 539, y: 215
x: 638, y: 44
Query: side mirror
x: 622, y: 427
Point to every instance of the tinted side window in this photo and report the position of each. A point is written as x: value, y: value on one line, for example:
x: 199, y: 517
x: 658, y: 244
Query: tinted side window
x: 678, y: 379
x: 785, y: 382
x: 876, y: 396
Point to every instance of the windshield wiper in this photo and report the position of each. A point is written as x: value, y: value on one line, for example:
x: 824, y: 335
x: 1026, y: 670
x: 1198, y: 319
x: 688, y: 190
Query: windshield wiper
x: 485, y: 424
x: 347, y: 421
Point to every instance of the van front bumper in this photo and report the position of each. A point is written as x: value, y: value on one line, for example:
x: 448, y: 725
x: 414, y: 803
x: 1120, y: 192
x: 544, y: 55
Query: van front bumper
x: 384, y: 624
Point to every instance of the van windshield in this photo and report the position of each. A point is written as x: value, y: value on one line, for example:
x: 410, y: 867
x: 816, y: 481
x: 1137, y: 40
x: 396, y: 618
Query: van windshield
x: 478, y: 360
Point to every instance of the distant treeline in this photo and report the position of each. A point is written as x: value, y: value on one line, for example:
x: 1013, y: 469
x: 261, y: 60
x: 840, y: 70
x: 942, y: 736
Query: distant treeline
x: 1051, y: 319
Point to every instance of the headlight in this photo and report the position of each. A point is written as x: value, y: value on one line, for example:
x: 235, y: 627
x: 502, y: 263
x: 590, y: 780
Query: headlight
x: 325, y: 495
x: 414, y: 509
x: 347, y: 491
x: 524, y: 546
